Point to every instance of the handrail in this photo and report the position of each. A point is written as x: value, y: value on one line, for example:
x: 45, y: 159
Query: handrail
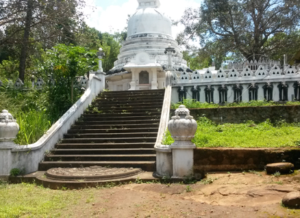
x: 28, y: 157
x: 165, y: 113
x: 56, y: 126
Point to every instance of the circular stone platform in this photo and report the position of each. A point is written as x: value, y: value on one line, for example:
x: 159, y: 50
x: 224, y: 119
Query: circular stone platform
x: 94, y: 173
x: 283, y: 168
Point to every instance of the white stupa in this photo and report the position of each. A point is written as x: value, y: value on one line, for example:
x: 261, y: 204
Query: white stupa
x: 142, y: 60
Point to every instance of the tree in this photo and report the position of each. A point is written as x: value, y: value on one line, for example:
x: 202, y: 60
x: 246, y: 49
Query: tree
x: 25, y: 22
x: 110, y: 43
x: 67, y: 62
x: 243, y: 25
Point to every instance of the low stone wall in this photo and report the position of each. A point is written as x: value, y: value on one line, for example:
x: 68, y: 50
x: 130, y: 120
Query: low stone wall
x: 241, y: 114
x: 237, y: 159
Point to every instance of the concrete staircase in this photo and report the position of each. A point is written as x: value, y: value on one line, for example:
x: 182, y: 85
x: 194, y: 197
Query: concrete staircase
x: 118, y: 130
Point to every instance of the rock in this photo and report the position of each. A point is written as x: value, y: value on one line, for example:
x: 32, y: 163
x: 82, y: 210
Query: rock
x: 282, y: 168
x: 292, y: 200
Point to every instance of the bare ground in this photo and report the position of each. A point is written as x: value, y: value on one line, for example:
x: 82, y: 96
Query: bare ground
x: 251, y: 194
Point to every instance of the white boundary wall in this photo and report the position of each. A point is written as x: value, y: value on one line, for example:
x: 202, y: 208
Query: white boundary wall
x: 245, y: 78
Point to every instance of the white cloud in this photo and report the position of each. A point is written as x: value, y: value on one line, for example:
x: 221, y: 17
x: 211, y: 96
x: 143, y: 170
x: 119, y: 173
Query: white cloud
x: 114, y: 17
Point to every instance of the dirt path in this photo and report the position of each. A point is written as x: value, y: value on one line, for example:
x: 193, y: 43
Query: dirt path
x: 220, y: 195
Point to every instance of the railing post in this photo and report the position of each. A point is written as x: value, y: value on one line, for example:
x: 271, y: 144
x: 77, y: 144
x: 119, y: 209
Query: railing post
x: 8, y: 132
x: 182, y: 128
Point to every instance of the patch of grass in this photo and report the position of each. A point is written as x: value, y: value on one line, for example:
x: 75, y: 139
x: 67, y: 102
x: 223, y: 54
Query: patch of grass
x: 33, y: 124
x: 208, y: 181
x: 245, y: 135
x: 277, y: 174
x: 29, y: 200
x: 255, y: 172
x: 190, y: 103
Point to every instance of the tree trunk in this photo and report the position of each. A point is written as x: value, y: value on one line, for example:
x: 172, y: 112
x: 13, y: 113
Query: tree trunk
x: 24, y: 48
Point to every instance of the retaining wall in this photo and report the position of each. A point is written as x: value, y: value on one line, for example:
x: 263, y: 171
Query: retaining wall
x: 241, y: 114
x: 237, y: 159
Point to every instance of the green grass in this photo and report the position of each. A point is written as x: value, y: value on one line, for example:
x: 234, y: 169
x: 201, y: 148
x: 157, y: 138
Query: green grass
x: 29, y: 200
x: 245, y: 135
x: 190, y: 103
x: 35, y: 110
x: 33, y: 124
x: 29, y: 109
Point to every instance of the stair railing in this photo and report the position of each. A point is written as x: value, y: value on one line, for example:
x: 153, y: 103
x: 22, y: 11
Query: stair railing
x: 28, y: 157
x: 165, y: 113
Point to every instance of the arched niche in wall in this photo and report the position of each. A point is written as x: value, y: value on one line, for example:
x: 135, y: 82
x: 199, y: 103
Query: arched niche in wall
x: 144, y: 77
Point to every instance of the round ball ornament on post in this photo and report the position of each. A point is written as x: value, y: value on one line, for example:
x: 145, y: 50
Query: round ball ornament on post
x: 182, y: 128
x: 8, y: 127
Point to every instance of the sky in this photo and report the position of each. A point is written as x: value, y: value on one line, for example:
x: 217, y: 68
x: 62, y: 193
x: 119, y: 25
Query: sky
x: 111, y: 15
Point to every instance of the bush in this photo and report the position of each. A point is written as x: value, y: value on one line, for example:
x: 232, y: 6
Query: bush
x: 15, y: 172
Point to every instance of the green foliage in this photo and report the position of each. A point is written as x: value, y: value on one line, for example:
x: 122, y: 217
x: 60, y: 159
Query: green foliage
x: 15, y: 172
x: 32, y: 111
x: 195, y: 61
x: 70, y: 61
x: 110, y: 43
x: 245, y: 135
x: 33, y: 124
x: 167, y: 140
x: 9, y: 69
x: 190, y: 103
x: 290, y: 44
x: 238, y: 26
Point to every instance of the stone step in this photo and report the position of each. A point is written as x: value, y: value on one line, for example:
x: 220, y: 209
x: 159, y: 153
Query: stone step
x: 119, y: 145
x: 130, y: 98
x: 120, y: 133
x: 112, y: 135
x: 117, y: 122
x: 115, y: 126
x: 120, y: 113
x: 103, y: 151
x: 106, y: 107
x: 108, y: 157
x: 126, y: 110
x: 110, y: 101
x: 109, y: 118
x: 130, y: 94
x: 135, y: 104
x: 117, y: 130
x: 136, y: 92
x: 144, y: 165
x: 110, y: 140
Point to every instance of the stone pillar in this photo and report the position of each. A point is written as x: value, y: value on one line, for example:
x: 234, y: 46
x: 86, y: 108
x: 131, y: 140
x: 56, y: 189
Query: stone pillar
x: 100, y: 54
x: 164, y: 161
x: 260, y: 92
x: 8, y: 132
x: 245, y: 93
x: 133, y: 81
x: 170, y: 51
x: 275, y: 91
x: 101, y: 75
x: 154, y: 79
x: 230, y: 94
x: 183, y: 128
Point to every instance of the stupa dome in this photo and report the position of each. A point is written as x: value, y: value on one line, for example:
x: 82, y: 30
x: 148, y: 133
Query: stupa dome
x: 149, y: 20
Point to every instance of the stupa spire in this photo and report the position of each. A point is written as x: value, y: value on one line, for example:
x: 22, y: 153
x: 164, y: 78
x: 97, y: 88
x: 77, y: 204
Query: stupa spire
x: 149, y: 3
